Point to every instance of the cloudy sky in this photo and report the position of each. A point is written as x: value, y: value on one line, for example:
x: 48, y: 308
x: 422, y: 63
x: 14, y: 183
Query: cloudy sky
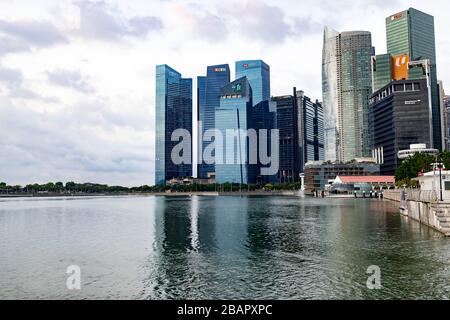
x: 77, y: 77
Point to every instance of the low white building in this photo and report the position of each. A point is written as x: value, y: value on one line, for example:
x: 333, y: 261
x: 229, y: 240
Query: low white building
x: 430, y: 182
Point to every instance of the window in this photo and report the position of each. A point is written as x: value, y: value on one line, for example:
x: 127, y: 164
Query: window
x: 447, y: 185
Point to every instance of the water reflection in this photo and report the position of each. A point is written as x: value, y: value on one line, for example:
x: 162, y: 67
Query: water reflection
x: 219, y: 248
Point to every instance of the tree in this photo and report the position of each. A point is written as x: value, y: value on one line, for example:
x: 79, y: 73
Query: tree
x: 410, y: 168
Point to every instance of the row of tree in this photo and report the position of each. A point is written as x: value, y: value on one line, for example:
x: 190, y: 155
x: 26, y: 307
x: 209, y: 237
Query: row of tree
x: 92, y: 188
x: 412, y: 167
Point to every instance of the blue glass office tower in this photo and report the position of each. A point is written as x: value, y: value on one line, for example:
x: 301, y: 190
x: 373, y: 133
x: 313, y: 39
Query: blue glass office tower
x: 234, y: 113
x: 173, y: 111
x: 258, y: 75
x: 208, y: 100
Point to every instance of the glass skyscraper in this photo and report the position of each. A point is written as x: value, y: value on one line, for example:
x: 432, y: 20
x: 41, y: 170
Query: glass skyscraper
x: 173, y: 111
x: 234, y: 113
x: 208, y: 100
x: 264, y: 117
x: 300, y: 122
x: 258, y: 75
x: 411, y: 32
x: 346, y: 87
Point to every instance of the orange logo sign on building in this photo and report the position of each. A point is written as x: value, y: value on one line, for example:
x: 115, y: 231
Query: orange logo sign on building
x: 400, y: 67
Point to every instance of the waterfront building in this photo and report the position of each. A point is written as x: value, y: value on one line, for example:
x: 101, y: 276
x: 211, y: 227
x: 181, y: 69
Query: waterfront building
x: 289, y: 124
x: 300, y: 122
x: 312, y: 127
x: 235, y: 113
x: 208, y: 100
x: 173, y: 111
x: 352, y: 184
x: 321, y: 175
x: 257, y: 73
x: 346, y: 88
x: 400, y: 116
x: 411, y: 32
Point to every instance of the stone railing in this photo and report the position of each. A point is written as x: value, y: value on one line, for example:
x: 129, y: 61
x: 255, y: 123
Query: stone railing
x: 394, y: 195
x: 422, y: 195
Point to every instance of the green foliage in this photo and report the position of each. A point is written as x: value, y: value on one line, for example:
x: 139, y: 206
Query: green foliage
x: 410, y: 168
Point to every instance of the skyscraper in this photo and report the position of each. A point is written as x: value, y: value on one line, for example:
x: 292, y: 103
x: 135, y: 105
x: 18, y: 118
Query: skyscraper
x: 234, y: 114
x: 264, y: 117
x: 411, y: 32
x: 401, y: 117
x: 300, y: 122
x: 209, y: 99
x: 173, y: 111
x: 346, y: 87
x: 258, y: 75
x: 312, y: 125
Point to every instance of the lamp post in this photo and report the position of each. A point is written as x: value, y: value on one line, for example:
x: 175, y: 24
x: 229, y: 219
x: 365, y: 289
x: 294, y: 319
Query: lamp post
x: 440, y: 166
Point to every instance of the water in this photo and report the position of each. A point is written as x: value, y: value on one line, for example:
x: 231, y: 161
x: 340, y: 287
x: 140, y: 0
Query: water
x: 217, y: 248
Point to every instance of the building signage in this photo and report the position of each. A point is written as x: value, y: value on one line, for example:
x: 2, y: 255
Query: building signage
x: 397, y: 16
x: 220, y: 69
x: 245, y: 65
x: 400, y: 67
x: 411, y: 102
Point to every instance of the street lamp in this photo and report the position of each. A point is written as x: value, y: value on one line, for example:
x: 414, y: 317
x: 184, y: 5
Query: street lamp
x: 440, y: 166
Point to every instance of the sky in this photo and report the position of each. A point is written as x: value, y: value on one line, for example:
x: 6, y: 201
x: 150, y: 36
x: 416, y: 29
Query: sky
x: 77, y: 78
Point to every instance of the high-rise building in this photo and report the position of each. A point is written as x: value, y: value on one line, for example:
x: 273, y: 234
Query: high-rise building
x: 411, y: 33
x: 300, y: 122
x: 173, y: 111
x: 291, y: 138
x: 312, y: 127
x: 264, y: 116
x: 234, y: 113
x: 346, y: 87
x: 258, y: 75
x: 401, y: 116
x: 447, y: 111
x: 443, y: 116
x: 209, y: 99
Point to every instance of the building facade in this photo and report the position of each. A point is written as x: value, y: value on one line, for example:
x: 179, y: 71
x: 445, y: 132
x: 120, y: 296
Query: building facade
x: 401, y: 116
x: 208, y: 101
x: 173, y: 111
x: 312, y: 126
x: 346, y: 87
x: 257, y: 73
x: 411, y: 32
x: 234, y: 113
x: 320, y: 176
x: 300, y: 124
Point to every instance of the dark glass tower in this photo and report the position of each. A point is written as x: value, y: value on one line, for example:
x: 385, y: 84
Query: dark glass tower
x: 401, y: 117
x: 412, y: 32
x: 301, y: 125
x: 209, y: 99
x: 173, y: 111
